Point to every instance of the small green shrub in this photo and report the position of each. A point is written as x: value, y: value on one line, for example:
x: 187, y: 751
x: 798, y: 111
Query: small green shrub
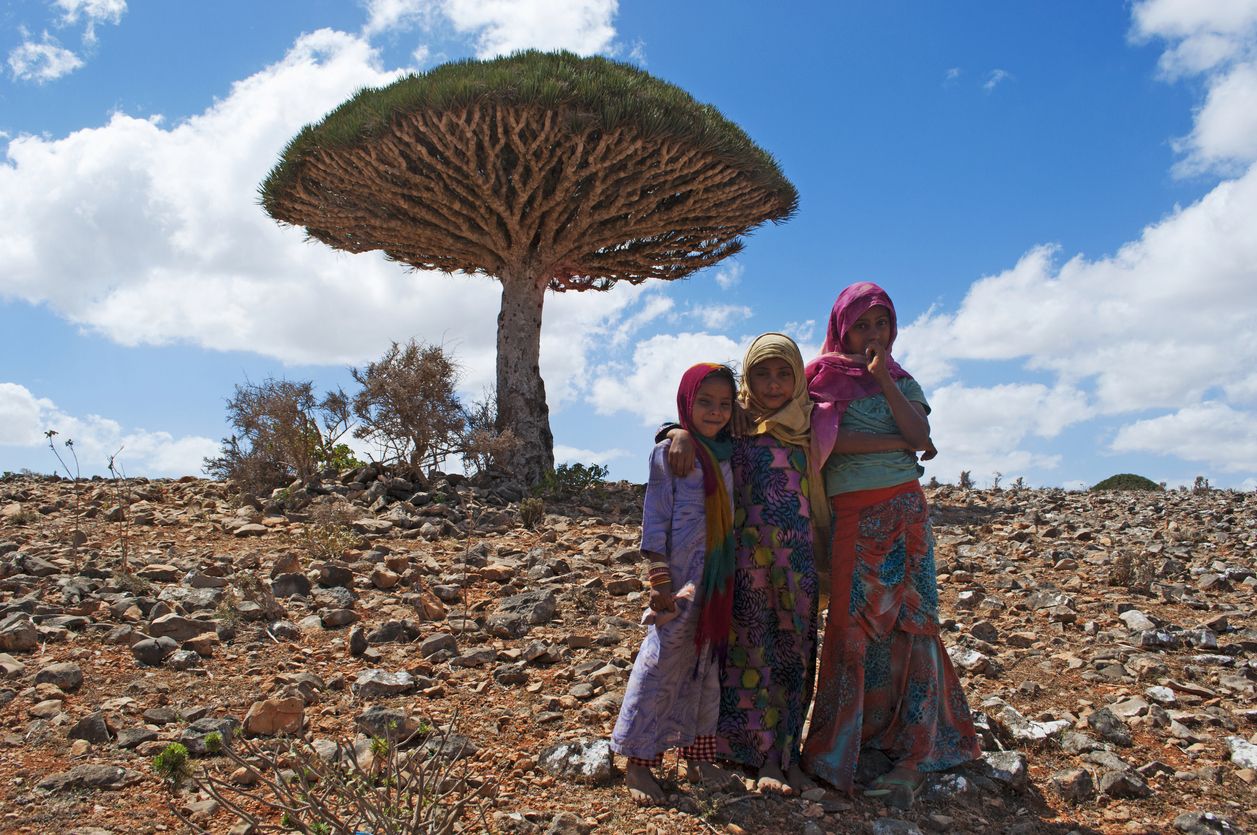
x: 214, y: 742
x: 531, y: 512
x: 171, y: 764
x: 1127, y: 481
x: 572, y: 479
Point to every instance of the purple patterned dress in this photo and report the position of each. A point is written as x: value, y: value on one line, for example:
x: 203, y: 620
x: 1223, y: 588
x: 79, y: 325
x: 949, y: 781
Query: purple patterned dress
x: 767, y: 682
x: 673, y: 695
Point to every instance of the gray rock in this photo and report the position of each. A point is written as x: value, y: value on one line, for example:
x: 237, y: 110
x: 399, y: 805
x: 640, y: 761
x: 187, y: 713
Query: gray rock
x: 336, y: 597
x: 584, y: 761
x: 1243, y: 752
x: 1008, y: 767
x: 67, y: 676
x: 386, y: 723
x: 18, y: 633
x: 98, y: 777
x: 290, y: 585
x: 195, y: 735
x: 394, y: 631
x: 437, y: 642
x: 153, y: 651
x: 895, y: 826
x: 183, y: 659
x: 334, y: 618
x: 449, y: 746
x: 333, y: 574
x: 1017, y: 728
x: 284, y: 630
x: 1124, y: 784
x: 92, y: 728
x: 1136, y: 621
x: 1074, y: 785
x: 131, y: 737
x: 379, y: 684
x: 1110, y: 727
x: 179, y: 627
x: 516, y: 614
x: 357, y: 641
x: 1203, y: 823
x: 10, y: 667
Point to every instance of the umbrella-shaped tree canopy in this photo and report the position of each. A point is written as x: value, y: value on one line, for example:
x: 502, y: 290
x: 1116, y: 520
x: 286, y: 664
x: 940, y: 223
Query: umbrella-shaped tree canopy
x: 543, y: 170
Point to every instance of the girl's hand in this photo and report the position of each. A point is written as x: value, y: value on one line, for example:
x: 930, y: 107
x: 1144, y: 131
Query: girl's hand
x: 878, y: 367
x: 661, y: 599
x: 929, y: 452
x: 681, y: 452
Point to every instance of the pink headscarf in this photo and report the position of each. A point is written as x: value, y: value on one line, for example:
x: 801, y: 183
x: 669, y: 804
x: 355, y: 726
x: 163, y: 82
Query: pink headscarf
x: 836, y: 378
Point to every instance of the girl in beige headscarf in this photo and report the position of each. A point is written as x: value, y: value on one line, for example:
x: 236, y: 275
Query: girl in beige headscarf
x: 779, y: 502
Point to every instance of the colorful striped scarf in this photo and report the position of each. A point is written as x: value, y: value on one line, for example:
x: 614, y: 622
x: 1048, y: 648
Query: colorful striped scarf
x: 716, y: 591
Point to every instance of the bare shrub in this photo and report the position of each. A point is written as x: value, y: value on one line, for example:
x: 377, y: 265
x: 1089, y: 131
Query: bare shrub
x: 282, y: 432
x: 389, y: 788
x: 531, y: 512
x: 407, y: 406
x: 327, y: 530
x: 1131, y: 570
x: 483, y: 445
x: 966, y: 480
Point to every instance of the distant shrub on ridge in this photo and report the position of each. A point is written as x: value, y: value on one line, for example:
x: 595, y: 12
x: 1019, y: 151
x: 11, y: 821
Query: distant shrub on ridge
x: 1128, y: 481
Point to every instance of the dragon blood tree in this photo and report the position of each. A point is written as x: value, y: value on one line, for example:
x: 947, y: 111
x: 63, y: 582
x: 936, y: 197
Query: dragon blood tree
x: 543, y: 170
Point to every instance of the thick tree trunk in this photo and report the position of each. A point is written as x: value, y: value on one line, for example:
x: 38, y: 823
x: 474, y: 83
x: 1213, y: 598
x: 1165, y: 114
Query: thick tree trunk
x: 521, y: 391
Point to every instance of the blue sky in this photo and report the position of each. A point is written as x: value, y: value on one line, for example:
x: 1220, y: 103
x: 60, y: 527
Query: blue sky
x: 1059, y: 196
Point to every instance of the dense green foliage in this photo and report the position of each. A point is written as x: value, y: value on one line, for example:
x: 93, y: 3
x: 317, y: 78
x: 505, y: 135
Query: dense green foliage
x: 591, y: 93
x: 1128, y: 481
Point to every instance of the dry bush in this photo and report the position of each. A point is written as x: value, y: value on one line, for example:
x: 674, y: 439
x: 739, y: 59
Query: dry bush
x: 282, y: 432
x: 1133, y: 571
x: 391, y: 788
x: 407, y: 406
x: 327, y: 530
x: 483, y: 445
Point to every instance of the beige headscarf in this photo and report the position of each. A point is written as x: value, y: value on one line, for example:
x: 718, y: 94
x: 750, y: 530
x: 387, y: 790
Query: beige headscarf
x: 791, y: 424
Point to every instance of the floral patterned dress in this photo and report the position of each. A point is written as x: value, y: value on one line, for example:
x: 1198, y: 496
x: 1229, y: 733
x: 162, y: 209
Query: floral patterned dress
x: 766, y: 686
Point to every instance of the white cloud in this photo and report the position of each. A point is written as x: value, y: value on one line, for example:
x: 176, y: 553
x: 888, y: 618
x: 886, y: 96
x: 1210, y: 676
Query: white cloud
x: 24, y: 418
x: 386, y: 15
x: 1224, y: 136
x: 503, y: 26
x: 720, y: 316
x: 1168, y: 317
x: 1211, y: 433
x: 575, y: 455
x: 171, y: 246
x: 42, y: 62
x: 995, y: 78
x: 951, y: 75
x: 1205, y: 33
x: 984, y: 430
x: 93, y: 11
x: 729, y: 276
x: 647, y: 387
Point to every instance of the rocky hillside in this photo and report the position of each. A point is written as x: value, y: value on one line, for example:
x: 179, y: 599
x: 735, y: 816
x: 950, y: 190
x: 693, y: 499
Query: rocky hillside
x: 1107, y: 642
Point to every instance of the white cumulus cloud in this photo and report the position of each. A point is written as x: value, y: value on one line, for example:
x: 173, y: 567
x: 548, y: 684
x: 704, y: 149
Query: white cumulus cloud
x: 24, y: 418
x: 647, y: 387
x: 43, y: 61
x: 1210, y: 433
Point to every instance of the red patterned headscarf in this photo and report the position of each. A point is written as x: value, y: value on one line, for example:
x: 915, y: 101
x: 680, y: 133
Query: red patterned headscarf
x: 716, y: 591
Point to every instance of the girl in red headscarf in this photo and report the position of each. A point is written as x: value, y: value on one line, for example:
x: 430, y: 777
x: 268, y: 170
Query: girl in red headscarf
x: 673, y: 694
x: 885, y: 683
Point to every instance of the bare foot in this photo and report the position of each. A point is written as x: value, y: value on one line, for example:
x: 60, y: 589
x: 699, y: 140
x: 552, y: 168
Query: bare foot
x: 897, y: 788
x: 798, y: 780
x: 642, y: 786
x: 710, y: 775
x: 771, y: 779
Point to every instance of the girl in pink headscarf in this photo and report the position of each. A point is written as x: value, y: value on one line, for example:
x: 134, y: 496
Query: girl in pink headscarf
x: 885, y: 681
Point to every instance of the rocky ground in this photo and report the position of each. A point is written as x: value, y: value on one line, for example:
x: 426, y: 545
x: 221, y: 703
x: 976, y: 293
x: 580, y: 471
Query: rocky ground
x: 1106, y: 641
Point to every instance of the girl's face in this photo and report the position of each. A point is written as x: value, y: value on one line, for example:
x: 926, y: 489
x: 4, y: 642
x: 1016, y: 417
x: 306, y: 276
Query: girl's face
x: 771, y: 382
x: 713, y: 406
x: 872, y: 327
